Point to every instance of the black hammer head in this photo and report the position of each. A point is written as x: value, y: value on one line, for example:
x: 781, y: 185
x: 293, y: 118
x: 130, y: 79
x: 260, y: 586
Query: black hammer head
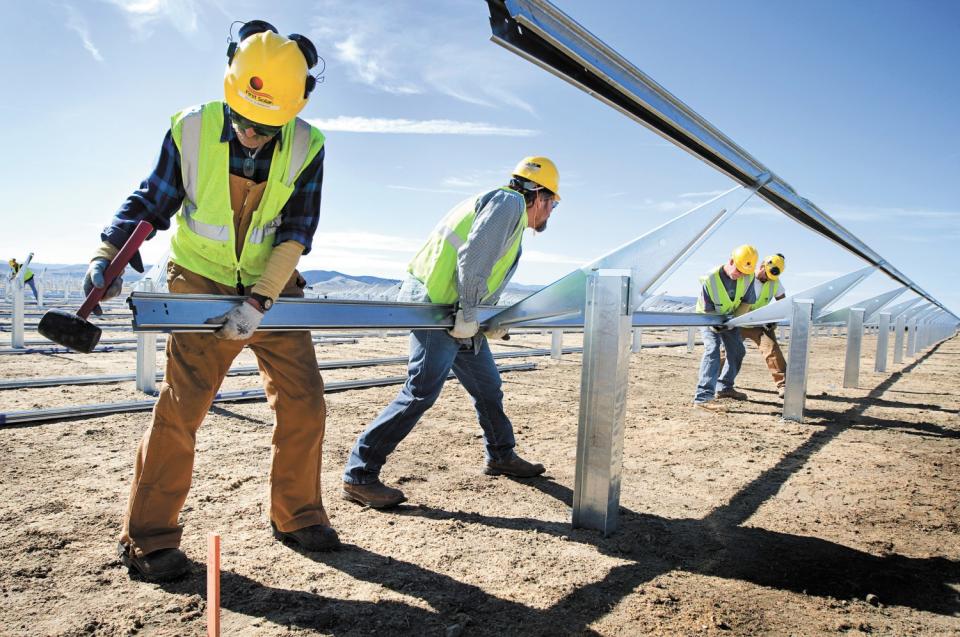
x: 69, y: 330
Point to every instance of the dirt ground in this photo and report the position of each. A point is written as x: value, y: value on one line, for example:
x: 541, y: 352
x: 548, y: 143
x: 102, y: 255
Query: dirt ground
x: 735, y: 523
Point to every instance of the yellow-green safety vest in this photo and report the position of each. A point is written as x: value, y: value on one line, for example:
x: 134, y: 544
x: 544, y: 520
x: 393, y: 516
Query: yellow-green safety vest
x: 435, y: 265
x: 204, y: 242
x: 768, y: 291
x: 718, y: 293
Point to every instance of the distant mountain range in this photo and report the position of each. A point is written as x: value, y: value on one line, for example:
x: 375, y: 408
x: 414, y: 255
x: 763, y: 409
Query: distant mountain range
x: 321, y: 283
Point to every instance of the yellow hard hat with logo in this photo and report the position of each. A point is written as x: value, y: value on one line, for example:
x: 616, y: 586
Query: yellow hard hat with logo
x: 540, y: 171
x: 268, y: 75
x: 745, y: 258
x: 774, y: 266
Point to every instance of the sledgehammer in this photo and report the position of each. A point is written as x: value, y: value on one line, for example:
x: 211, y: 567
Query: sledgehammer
x: 74, y: 330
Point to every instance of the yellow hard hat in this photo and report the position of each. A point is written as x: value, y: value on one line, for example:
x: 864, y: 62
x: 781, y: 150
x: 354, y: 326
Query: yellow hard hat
x: 774, y: 266
x: 267, y: 79
x: 540, y: 171
x: 12, y: 262
x: 745, y: 258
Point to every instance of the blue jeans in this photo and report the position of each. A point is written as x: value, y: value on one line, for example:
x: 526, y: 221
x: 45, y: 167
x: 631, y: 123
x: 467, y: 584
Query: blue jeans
x: 433, y: 353
x: 33, y: 286
x: 712, y: 379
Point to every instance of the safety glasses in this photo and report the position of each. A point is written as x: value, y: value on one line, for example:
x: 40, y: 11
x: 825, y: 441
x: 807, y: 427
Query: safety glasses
x: 243, y: 124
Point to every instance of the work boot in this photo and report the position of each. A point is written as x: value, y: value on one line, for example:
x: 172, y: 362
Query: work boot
x: 731, y: 393
x: 376, y: 495
x: 161, y: 565
x: 708, y: 405
x: 513, y: 466
x: 780, y: 391
x: 312, y: 538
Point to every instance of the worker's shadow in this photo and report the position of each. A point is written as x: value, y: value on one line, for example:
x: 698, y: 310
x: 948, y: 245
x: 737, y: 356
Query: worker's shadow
x: 328, y: 615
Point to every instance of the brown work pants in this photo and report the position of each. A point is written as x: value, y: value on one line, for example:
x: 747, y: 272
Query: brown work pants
x: 766, y: 341
x: 196, y: 365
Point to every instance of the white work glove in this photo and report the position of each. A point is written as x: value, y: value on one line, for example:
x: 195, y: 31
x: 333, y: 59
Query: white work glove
x: 238, y: 324
x: 94, y: 278
x: 463, y: 328
x: 499, y: 333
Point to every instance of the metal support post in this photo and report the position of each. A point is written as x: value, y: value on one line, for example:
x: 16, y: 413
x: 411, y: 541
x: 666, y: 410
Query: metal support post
x: 16, y: 334
x: 851, y: 368
x: 898, y: 330
x: 146, y: 352
x: 780, y: 333
x: 795, y: 392
x: 637, y: 340
x: 556, y: 344
x: 603, y: 399
x: 883, y: 336
x: 912, y: 338
x: 691, y: 339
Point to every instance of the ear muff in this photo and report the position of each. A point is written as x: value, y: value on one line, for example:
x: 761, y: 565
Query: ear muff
x: 310, y: 55
x: 249, y: 28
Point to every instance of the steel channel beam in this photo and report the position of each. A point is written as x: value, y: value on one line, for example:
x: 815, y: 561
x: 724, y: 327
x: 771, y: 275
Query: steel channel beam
x: 188, y: 313
x: 795, y: 392
x: 851, y: 367
x: 250, y: 370
x: 899, y: 329
x: 541, y: 33
x: 603, y: 398
x: 556, y: 344
x: 883, y: 338
x: 79, y: 411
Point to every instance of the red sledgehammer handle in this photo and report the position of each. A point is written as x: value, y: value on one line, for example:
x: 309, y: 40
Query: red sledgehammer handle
x: 115, y: 269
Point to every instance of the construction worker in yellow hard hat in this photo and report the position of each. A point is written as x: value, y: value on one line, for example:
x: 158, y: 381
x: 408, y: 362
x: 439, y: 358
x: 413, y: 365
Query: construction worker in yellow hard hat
x: 243, y: 178
x: 769, y: 287
x: 724, y: 290
x: 28, y: 278
x: 467, y: 260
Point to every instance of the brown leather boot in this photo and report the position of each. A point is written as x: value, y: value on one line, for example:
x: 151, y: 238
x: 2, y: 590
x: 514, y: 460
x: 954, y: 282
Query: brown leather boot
x: 732, y: 393
x: 312, y: 538
x: 376, y: 495
x: 162, y: 565
x: 514, y: 466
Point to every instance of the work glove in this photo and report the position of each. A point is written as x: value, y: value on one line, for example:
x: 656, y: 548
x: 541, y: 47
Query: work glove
x: 94, y: 278
x: 238, y: 324
x: 463, y: 328
x: 500, y: 333
x: 720, y: 328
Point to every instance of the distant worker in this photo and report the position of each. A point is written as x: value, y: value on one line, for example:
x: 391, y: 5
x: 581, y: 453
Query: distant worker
x: 767, y: 287
x: 467, y: 260
x: 723, y: 291
x: 245, y: 176
x: 27, y: 278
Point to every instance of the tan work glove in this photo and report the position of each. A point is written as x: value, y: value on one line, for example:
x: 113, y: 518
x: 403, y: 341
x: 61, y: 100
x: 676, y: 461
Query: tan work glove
x: 238, y: 324
x: 499, y: 333
x: 463, y: 328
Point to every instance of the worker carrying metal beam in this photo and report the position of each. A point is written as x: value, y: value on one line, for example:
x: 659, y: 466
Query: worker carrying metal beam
x: 768, y: 287
x: 728, y: 290
x: 243, y: 178
x: 467, y: 260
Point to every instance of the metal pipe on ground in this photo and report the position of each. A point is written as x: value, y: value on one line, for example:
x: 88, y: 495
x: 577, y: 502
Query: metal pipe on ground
x: 82, y: 411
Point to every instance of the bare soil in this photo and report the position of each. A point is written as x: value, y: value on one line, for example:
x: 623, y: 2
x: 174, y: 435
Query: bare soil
x: 735, y: 523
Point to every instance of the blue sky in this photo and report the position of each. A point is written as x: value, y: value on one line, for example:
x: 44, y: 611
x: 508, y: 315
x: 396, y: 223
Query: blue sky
x: 852, y: 103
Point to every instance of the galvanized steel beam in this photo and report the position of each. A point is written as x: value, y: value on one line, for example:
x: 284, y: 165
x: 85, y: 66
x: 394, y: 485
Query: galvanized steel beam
x: 795, y: 391
x: 542, y: 34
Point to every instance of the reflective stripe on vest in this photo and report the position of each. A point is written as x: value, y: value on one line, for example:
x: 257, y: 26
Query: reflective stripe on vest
x: 721, y: 300
x: 435, y: 264
x: 204, y: 242
x: 768, y: 291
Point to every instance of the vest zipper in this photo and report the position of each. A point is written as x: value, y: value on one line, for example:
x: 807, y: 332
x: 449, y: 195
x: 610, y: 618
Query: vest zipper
x: 239, y: 284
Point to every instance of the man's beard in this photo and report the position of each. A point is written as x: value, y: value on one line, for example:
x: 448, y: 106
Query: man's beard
x: 541, y: 227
